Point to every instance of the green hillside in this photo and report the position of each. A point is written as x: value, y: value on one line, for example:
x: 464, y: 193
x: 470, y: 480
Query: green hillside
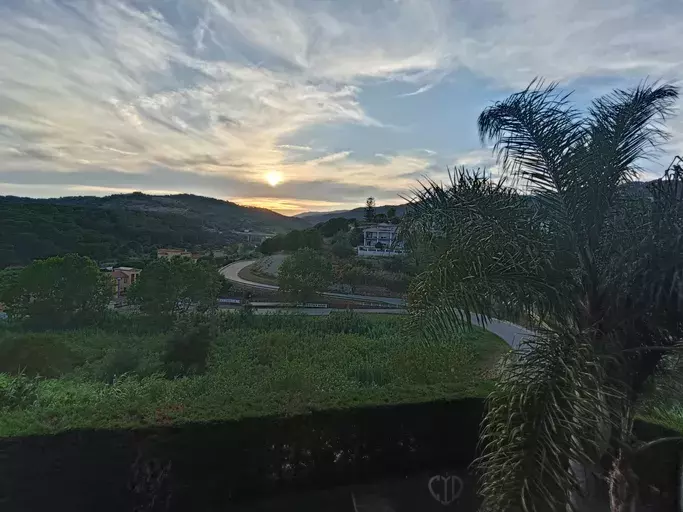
x: 124, y: 226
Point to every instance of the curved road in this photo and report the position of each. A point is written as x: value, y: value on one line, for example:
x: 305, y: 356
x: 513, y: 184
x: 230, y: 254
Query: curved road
x: 231, y: 273
x: 511, y: 333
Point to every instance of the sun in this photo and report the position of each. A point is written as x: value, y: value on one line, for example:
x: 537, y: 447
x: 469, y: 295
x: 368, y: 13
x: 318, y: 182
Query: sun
x: 274, y: 178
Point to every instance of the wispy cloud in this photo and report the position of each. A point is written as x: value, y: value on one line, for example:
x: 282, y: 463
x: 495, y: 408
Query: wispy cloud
x: 422, y: 89
x: 222, y: 88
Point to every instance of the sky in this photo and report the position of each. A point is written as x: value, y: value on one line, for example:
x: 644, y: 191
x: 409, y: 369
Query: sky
x: 296, y: 105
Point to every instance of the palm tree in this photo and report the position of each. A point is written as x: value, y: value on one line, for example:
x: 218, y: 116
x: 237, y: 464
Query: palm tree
x: 569, y: 242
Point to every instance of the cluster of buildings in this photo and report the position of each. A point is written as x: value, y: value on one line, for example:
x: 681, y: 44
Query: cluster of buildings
x: 125, y: 277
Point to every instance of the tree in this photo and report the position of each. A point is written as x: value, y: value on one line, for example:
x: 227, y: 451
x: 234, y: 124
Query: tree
x: 351, y: 276
x: 293, y: 240
x: 312, y: 239
x: 304, y: 273
x: 593, y: 261
x: 168, y: 288
x: 226, y: 287
x: 356, y: 237
x: 59, y: 292
x: 370, y: 209
x: 333, y: 226
x: 272, y: 245
x: 341, y: 247
x: 391, y: 216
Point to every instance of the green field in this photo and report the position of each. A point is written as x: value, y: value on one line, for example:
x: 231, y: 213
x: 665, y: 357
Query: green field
x: 117, y: 377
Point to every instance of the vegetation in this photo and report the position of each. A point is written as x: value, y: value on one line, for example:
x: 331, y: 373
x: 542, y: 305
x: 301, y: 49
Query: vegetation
x: 304, y: 273
x: 336, y: 228
x: 121, y: 374
x: 123, y: 226
x: 662, y: 404
x: 292, y: 241
x: 370, y: 209
x: 595, y: 265
x: 391, y: 274
x: 59, y: 292
x: 171, y: 287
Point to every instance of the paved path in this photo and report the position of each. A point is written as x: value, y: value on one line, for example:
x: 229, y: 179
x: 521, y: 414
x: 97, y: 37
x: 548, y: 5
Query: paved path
x: 511, y: 333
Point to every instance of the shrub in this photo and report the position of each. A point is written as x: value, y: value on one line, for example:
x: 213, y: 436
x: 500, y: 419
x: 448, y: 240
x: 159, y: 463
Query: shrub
x: 187, y: 348
x: 347, y: 322
x: 117, y: 362
x: 36, y: 354
x: 17, y: 391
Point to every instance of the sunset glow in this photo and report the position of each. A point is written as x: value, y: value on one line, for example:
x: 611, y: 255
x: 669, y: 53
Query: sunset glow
x: 274, y: 178
x: 310, y: 103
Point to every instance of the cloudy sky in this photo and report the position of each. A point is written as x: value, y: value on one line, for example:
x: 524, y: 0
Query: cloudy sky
x: 330, y: 101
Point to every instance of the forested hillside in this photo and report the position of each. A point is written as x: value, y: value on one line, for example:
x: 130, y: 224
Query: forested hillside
x: 123, y: 226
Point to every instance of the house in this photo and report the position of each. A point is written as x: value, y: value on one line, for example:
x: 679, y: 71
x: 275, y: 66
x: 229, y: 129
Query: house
x: 172, y: 253
x: 124, y: 277
x: 381, y: 240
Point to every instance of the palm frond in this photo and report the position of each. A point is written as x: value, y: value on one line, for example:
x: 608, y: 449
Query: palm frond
x: 534, y: 133
x: 489, y: 253
x: 545, y: 414
x: 640, y: 263
x: 623, y: 128
x: 627, y: 126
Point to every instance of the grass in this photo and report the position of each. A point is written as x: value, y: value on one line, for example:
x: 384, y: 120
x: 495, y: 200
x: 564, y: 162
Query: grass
x: 257, y: 365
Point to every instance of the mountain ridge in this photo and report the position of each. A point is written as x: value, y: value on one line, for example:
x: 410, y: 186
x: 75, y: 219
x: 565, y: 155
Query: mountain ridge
x: 355, y: 213
x: 125, y: 225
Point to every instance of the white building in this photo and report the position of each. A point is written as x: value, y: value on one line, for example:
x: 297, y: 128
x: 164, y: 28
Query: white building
x: 381, y: 240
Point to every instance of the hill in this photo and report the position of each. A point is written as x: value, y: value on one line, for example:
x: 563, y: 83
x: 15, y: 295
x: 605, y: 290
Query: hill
x: 314, y: 218
x: 126, y: 225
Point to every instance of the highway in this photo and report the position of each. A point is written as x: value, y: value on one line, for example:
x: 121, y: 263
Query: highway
x: 511, y: 333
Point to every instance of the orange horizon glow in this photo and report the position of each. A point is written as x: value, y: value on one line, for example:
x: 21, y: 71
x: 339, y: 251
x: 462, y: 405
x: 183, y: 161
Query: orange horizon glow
x: 292, y: 207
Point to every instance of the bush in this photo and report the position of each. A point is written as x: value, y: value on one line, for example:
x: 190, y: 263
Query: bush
x: 17, y: 391
x: 187, y: 348
x: 117, y: 362
x: 347, y: 322
x: 36, y: 354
